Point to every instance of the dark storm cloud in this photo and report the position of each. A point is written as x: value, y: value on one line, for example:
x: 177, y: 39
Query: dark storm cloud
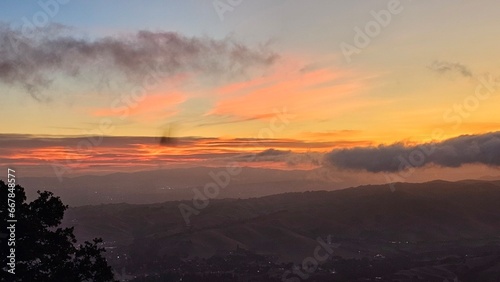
x: 33, y: 59
x: 445, y: 67
x: 467, y: 149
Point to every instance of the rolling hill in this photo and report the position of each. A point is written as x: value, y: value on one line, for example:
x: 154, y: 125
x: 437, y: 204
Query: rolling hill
x: 368, y: 221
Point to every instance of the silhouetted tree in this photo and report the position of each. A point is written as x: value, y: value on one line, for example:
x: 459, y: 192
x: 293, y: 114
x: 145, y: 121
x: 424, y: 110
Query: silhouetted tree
x: 44, y: 251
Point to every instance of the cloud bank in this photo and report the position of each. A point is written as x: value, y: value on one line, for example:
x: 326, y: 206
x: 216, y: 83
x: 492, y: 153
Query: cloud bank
x: 455, y: 152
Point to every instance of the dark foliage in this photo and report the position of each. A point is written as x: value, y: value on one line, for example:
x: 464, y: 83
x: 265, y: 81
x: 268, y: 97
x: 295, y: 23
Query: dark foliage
x: 44, y: 251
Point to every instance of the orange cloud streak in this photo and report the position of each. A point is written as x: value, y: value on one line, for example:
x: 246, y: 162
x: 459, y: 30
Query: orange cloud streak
x: 153, y: 107
x: 313, y: 94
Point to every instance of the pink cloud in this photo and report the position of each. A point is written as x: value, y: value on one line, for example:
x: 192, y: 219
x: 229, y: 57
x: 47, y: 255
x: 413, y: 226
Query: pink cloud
x: 317, y: 93
x: 153, y: 107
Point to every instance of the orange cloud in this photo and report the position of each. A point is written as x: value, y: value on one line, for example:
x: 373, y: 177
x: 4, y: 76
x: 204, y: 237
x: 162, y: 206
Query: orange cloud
x: 154, y: 107
x: 309, y: 94
x: 329, y: 135
x: 136, y: 153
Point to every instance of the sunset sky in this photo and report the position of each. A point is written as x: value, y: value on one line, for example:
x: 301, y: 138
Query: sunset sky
x: 267, y: 77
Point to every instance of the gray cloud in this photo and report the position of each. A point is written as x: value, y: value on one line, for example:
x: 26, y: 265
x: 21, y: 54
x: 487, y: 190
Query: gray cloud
x: 34, y: 60
x: 446, y: 67
x: 272, y: 152
x: 282, y: 156
x: 455, y: 152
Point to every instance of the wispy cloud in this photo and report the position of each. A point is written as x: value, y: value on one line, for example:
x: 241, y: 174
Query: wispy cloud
x: 83, y: 154
x: 299, y: 158
x: 272, y: 152
x: 306, y: 94
x: 443, y: 67
x: 154, y: 107
x: 33, y: 61
x: 232, y: 119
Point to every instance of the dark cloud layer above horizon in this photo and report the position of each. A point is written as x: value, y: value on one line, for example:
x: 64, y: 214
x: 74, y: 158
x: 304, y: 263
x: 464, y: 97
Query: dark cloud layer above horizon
x: 33, y: 60
x: 455, y: 152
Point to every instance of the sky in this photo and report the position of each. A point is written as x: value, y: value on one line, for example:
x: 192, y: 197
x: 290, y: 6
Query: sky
x: 322, y: 82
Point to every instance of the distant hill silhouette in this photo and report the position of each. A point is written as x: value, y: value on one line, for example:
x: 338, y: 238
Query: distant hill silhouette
x: 170, y: 185
x: 365, y: 221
